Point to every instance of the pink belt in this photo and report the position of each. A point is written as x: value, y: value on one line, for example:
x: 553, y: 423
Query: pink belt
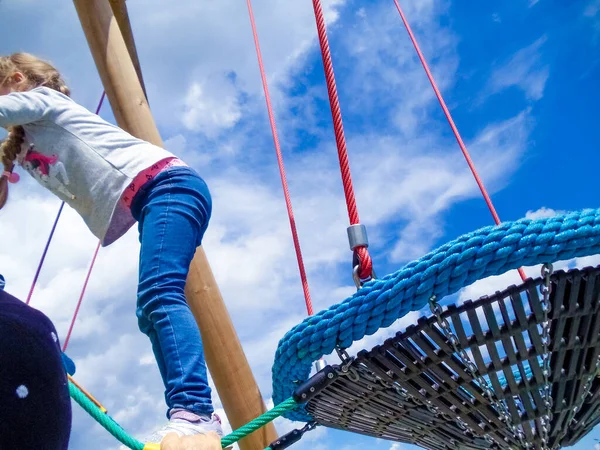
x: 145, y: 176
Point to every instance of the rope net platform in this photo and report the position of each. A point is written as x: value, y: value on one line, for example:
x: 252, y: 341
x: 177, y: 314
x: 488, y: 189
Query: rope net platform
x: 416, y: 388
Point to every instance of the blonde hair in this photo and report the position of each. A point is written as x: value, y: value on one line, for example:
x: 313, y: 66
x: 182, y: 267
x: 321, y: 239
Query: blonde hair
x: 36, y: 73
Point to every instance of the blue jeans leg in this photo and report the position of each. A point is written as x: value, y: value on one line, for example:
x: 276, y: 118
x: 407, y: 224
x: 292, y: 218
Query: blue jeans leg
x: 173, y: 211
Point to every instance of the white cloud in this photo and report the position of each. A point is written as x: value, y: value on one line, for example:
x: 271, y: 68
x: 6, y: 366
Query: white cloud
x: 212, y: 45
x: 591, y: 12
x: 498, y: 146
x: 592, y: 9
x: 211, y: 111
x: 383, y: 43
x: 490, y: 285
x: 542, y: 213
x: 525, y: 70
x: 493, y: 284
x: 397, y: 446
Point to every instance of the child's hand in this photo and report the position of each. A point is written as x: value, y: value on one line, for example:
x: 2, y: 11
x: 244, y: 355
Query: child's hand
x: 209, y: 441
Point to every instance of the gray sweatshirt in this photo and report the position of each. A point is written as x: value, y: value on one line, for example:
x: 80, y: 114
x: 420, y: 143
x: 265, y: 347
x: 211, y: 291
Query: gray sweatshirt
x: 84, y: 160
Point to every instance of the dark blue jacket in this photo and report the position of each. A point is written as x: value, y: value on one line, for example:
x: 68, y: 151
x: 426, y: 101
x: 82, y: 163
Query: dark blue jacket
x: 35, y: 408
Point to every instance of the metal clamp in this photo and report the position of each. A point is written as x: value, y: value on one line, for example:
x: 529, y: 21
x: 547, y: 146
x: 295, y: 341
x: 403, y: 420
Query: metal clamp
x: 315, y: 384
x: 292, y: 437
x: 357, y: 280
x: 357, y: 236
x: 320, y: 364
x: 346, y: 368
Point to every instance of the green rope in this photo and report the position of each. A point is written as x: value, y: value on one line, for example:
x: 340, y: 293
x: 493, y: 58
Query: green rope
x: 104, y: 419
x: 121, y: 435
x: 259, y: 422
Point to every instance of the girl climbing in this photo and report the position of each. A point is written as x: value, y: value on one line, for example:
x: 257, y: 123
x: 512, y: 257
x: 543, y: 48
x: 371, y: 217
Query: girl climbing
x: 113, y: 179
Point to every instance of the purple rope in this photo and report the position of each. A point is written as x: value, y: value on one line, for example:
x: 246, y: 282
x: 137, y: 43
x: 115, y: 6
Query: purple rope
x: 37, y: 273
x: 39, y: 269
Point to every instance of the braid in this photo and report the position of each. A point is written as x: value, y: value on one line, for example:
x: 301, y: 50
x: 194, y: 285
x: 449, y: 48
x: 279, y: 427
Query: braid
x: 37, y: 73
x: 11, y: 147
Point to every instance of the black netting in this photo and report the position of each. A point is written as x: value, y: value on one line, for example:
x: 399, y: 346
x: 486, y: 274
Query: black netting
x: 414, y: 388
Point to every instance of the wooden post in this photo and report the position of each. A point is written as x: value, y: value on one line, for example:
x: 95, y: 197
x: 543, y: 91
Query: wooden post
x: 119, y: 8
x: 225, y: 358
x: 230, y: 374
x: 116, y: 70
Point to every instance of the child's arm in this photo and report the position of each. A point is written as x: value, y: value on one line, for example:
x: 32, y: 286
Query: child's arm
x: 20, y: 108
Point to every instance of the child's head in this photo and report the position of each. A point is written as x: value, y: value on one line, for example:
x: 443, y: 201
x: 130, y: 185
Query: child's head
x: 21, y: 72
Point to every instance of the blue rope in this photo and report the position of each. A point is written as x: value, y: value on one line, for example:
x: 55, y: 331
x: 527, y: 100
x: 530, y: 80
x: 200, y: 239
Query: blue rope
x: 379, y: 303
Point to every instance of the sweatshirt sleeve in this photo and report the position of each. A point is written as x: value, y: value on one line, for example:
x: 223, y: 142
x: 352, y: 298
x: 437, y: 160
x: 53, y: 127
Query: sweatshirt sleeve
x: 20, y: 108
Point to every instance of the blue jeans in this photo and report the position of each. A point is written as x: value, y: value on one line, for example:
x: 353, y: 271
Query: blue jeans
x: 173, y: 211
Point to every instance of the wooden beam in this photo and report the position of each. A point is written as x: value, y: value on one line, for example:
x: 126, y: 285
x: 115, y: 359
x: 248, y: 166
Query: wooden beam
x: 230, y: 373
x: 116, y: 70
x: 225, y: 358
x: 119, y: 8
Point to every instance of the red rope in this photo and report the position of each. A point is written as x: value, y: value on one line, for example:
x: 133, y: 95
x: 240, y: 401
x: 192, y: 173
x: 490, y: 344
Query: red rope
x: 43, y: 258
x: 66, y: 343
x: 288, y: 201
x: 366, y: 265
x: 87, y: 278
x: 461, y: 144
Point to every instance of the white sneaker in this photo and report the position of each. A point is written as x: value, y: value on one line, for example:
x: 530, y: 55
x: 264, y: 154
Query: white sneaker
x: 186, y: 423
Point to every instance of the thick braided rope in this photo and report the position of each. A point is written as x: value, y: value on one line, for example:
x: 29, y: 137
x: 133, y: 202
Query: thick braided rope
x: 486, y: 252
x: 104, y: 419
x: 122, y: 436
x: 259, y: 422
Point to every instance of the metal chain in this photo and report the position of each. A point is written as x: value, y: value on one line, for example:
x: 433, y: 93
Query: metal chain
x: 586, y: 391
x: 545, y: 289
x: 346, y: 368
x: 581, y: 398
x: 470, y: 366
x: 309, y: 427
x: 571, y: 421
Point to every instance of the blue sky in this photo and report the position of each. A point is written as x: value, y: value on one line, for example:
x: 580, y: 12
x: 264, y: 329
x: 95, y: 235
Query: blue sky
x: 520, y: 79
